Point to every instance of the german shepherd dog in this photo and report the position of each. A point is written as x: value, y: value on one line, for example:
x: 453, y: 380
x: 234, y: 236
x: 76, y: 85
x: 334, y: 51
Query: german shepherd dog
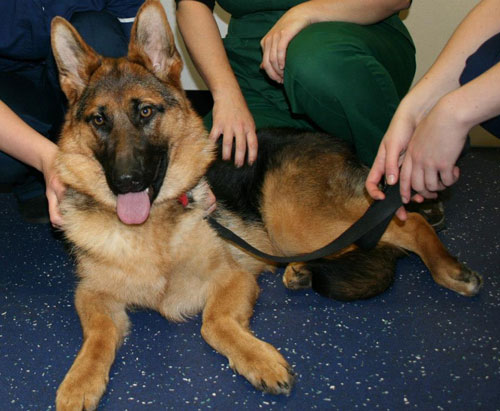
x: 132, y: 146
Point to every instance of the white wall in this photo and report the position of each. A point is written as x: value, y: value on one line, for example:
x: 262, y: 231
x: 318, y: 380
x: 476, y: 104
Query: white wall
x: 431, y: 23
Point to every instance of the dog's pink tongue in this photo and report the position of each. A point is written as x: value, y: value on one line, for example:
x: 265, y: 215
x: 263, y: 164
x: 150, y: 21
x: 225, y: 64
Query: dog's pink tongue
x: 133, y: 208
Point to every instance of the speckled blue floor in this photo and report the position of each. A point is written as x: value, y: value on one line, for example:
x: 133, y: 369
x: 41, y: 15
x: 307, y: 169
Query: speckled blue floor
x: 417, y: 346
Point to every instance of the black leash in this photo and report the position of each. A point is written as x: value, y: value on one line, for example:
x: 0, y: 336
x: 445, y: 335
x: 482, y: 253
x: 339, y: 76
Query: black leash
x: 366, y: 232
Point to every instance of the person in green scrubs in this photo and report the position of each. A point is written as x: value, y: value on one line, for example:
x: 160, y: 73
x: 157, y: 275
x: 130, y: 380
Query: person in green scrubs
x: 340, y: 66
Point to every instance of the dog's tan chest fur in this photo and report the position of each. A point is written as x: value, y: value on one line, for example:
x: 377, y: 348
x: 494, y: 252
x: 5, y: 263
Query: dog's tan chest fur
x: 171, y: 280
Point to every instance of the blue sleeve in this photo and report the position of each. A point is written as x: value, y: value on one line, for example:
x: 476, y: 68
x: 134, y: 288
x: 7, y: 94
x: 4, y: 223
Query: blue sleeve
x: 123, y: 9
x: 125, y: 12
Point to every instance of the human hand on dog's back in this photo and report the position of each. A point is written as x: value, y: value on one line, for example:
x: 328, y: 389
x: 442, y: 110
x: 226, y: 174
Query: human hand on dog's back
x: 21, y: 141
x: 232, y: 119
x: 231, y: 116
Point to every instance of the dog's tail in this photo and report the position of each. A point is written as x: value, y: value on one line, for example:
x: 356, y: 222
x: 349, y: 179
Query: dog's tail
x: 356, y: 274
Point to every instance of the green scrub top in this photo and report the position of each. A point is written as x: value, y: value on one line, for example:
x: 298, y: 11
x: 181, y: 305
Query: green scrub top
x: 343, y: 78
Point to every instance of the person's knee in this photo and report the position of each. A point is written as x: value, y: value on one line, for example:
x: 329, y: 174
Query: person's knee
x: 102, y: 31
x: 317, y: 58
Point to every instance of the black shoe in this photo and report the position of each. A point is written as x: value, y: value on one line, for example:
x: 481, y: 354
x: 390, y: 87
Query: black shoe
x: 432, y: 211
x: 35, y: 210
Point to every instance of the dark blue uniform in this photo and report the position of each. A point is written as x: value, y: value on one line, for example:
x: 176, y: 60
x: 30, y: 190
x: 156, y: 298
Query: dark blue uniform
x: 28, y: 75
x: 482, y: 60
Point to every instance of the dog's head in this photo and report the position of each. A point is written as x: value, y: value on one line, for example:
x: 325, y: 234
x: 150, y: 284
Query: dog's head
x: 131, y: 138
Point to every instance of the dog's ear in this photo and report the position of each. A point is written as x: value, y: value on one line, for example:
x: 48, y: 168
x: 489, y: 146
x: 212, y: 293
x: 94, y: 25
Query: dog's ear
x: 75, y: 60
x: 152, y: 43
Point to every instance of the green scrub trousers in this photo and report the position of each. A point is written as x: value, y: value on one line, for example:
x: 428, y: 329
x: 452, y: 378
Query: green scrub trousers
x: 342, y: 78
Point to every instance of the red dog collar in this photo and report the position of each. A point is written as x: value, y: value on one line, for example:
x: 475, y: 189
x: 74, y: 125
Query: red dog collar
x: 184, y: 199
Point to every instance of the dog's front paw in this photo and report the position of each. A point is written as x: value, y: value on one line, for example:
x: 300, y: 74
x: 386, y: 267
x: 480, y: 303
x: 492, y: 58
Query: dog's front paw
x: 266, y: 369
x: 76, y: 393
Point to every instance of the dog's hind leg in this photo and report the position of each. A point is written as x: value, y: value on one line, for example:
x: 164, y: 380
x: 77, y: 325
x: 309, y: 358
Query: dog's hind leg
x: 104, y: 323
x: 416, y: 235
x: 297, y: 276
x: 351, y: 275
x: 225, y: 327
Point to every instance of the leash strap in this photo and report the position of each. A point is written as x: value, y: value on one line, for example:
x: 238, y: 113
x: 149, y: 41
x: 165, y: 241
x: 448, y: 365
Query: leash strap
x: 366, y: 232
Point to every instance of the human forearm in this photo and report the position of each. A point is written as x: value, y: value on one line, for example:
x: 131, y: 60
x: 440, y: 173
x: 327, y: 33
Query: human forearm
x: 478, y: 100
x: 430, y: 158
x: 202, y: 38
x: 230, y: 114
x: 443, y: 77
x: 19, y: 140
x: 353, y: 11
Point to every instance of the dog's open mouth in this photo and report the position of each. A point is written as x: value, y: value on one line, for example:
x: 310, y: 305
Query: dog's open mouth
x: 135, y: 207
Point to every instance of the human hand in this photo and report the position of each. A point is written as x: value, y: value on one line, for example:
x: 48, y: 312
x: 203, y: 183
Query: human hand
x: 275, y: 42
x: 54, y: 191
x: 427, y: 162
x: 390, y: 155
x: 233, y: 120
x: 430, y: 160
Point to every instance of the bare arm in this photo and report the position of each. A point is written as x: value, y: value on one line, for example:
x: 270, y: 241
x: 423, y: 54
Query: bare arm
x: 19, y: 140
x: 353, y: 11
x: 443, y: 76
x: 231, y: 116
x: 430, y: 126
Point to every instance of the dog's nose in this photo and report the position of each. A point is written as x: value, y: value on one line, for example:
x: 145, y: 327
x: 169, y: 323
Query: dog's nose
x: 127, y: 183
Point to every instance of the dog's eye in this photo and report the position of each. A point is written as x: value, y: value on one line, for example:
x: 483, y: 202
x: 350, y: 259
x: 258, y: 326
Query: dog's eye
x: 146, y: 112
x: 98, y: 120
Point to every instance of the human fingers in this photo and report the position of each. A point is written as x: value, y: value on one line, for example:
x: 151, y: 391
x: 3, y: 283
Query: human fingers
x: 281, y: 52
x: 394, y: 154
x: 55, y: 193
x: 375, y: 176
x: 227, y: 144
x: 266, y: 64
x: 429, y: 195
x: 253, y: 146
x: 215, y: 133
x: 211, y: 202
x: 449, y: 177
x: 405, y: 175
x: 401, y: 213
x: 396, y: 142
x: 273, y: 56
x: 417, y: 198
x: 240, y: 147
x: 432, y: 182
x: 55, y: 215
x: 418, y: 183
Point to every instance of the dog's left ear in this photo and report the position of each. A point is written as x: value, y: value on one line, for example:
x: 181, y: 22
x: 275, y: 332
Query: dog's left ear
x: 152, y: 43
